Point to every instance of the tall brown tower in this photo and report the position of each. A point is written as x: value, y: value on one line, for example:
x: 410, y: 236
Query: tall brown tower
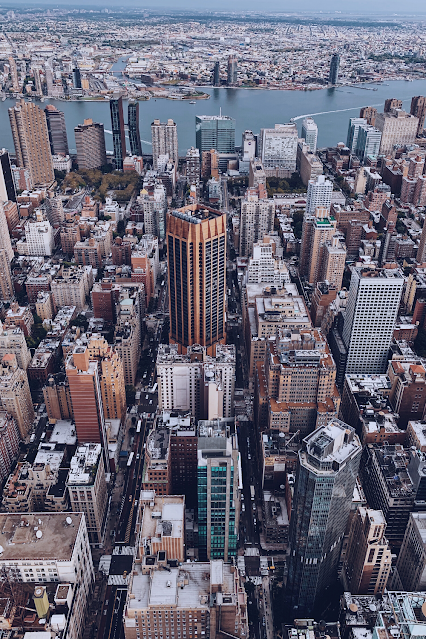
x: 31, y: 140
x: 418, y: 109
x: 196, y: 253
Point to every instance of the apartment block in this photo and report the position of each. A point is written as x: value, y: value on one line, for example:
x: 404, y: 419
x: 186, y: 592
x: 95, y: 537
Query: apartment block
x: 71, y: 286
x: 15, y: 396
x: 196, y: 381
x: 90, y: 143
x: 256, y: 220
x: 9, y: 443
x: 368, y: 558
x: 398, y: 129
x: 88, y: 490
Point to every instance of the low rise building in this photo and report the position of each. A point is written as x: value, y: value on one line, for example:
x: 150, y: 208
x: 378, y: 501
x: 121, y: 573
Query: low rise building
x: 161, y: 527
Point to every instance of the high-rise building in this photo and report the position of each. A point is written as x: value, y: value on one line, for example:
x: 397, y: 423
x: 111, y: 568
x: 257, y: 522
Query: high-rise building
x: 193, y: 167
x: 57, y: 397
x: 31, y: 140
x: 127, y: 335
x: 392, y: 103
x: 14, y: 75
x: 39, y: 236
x: 353, y: 130
x: 90, y: 143
x: 418, y: 109
x: 248, y: 146
x: 368, y: 142
x: 196, y: 254
x: 15, y: 396
x: 12, y: 340
x: 218, y: 509
x: 334, y: 69
x: 310, y: 134
x: 118, y: 137
x: 57, y: 130
x: 5, y: 242
x: 421, y: 251
x: 88, y: 490
x: 9, y: 444
x: 372, y: 308
x: 398, y: 129
x: 76, y: 77
x: 256, y: 220
x: 411, y: 564
x: 86, y: 397
x: 368, y: 113
x: 216, y: 74
x: 326, y: 476
x: 368, y: 558
x: 164, y: 141
x: 7, y: 186
x: 133, y: 123
x: 278, y: 147
x: 7, y: 292
x: 319, y: 194
x: 195, y: 381
x: 215, y: 132
x: 317, y: 229
x: 232, y: 70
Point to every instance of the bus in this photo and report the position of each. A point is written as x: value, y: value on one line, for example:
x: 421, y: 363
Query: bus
x: 252, y: 493
x: 138, y: 427
x: 129, y: 461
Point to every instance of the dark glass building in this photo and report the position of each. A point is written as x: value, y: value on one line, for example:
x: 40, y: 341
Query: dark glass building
x: 334, y: 69
x: 7, y: 187
x: 76, y: 78
x: 133, y: 122
x: 216, y: 75
x: 57, y: 130
x: 326, y: 475
x: 118, y: 137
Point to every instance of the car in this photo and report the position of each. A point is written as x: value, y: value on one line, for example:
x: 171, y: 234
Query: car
x: 243, y: 508
x: 249, y: 456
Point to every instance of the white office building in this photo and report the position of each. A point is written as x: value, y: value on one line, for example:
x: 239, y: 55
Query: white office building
x: 310, y: 134
x: 368, y: 141
x: 371, y: 311
x: 279, y: 147
x: 319, y: 194
x: 39, y: 237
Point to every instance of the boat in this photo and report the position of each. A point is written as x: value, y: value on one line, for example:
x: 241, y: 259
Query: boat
x: 192, y: 102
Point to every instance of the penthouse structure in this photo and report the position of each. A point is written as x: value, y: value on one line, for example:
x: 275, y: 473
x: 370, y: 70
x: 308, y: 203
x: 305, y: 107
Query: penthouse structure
x: 264, y: 267
x: 88, y: 490
x: 196, y: 254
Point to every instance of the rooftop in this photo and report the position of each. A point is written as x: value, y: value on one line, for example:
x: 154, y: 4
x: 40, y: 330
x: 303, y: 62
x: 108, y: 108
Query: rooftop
x: 19, y: 540
x: 84, y: 464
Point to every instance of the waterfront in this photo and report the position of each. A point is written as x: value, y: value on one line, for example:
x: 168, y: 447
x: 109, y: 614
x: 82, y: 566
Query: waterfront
x: 252, y: 109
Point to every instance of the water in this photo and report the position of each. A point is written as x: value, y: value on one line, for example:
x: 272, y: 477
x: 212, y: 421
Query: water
x: 252, y: 109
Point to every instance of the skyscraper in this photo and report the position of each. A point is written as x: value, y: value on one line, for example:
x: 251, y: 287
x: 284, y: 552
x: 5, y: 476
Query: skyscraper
x: 334, y: 69
x: 57, y: 130
x: 76, y: 77
x: 5, y: 242
x: 133, y: 122
x: 368, y: 141
x: 216, y: 74
x: 218, y: 506
x: 85, y: 389
x: 196, y: 254
x: 232, y: 70
x: 90, y: 143
x: 372, y: 307
x: 418, y: 109
x: 278, y: 147
x: 7, y: 186
x: 256, y: 220
x: 326, y: 475
x: 319, y: 194
x: 310, y: 133
x: 31, y: 140
x: 215, y: 132
x: 193, y: 167
x: 164, y: 141
x: 118, y: 137
x: 353, y: 130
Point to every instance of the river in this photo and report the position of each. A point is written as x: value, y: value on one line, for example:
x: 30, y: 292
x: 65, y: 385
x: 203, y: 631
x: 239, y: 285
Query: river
x: 251, y: 108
